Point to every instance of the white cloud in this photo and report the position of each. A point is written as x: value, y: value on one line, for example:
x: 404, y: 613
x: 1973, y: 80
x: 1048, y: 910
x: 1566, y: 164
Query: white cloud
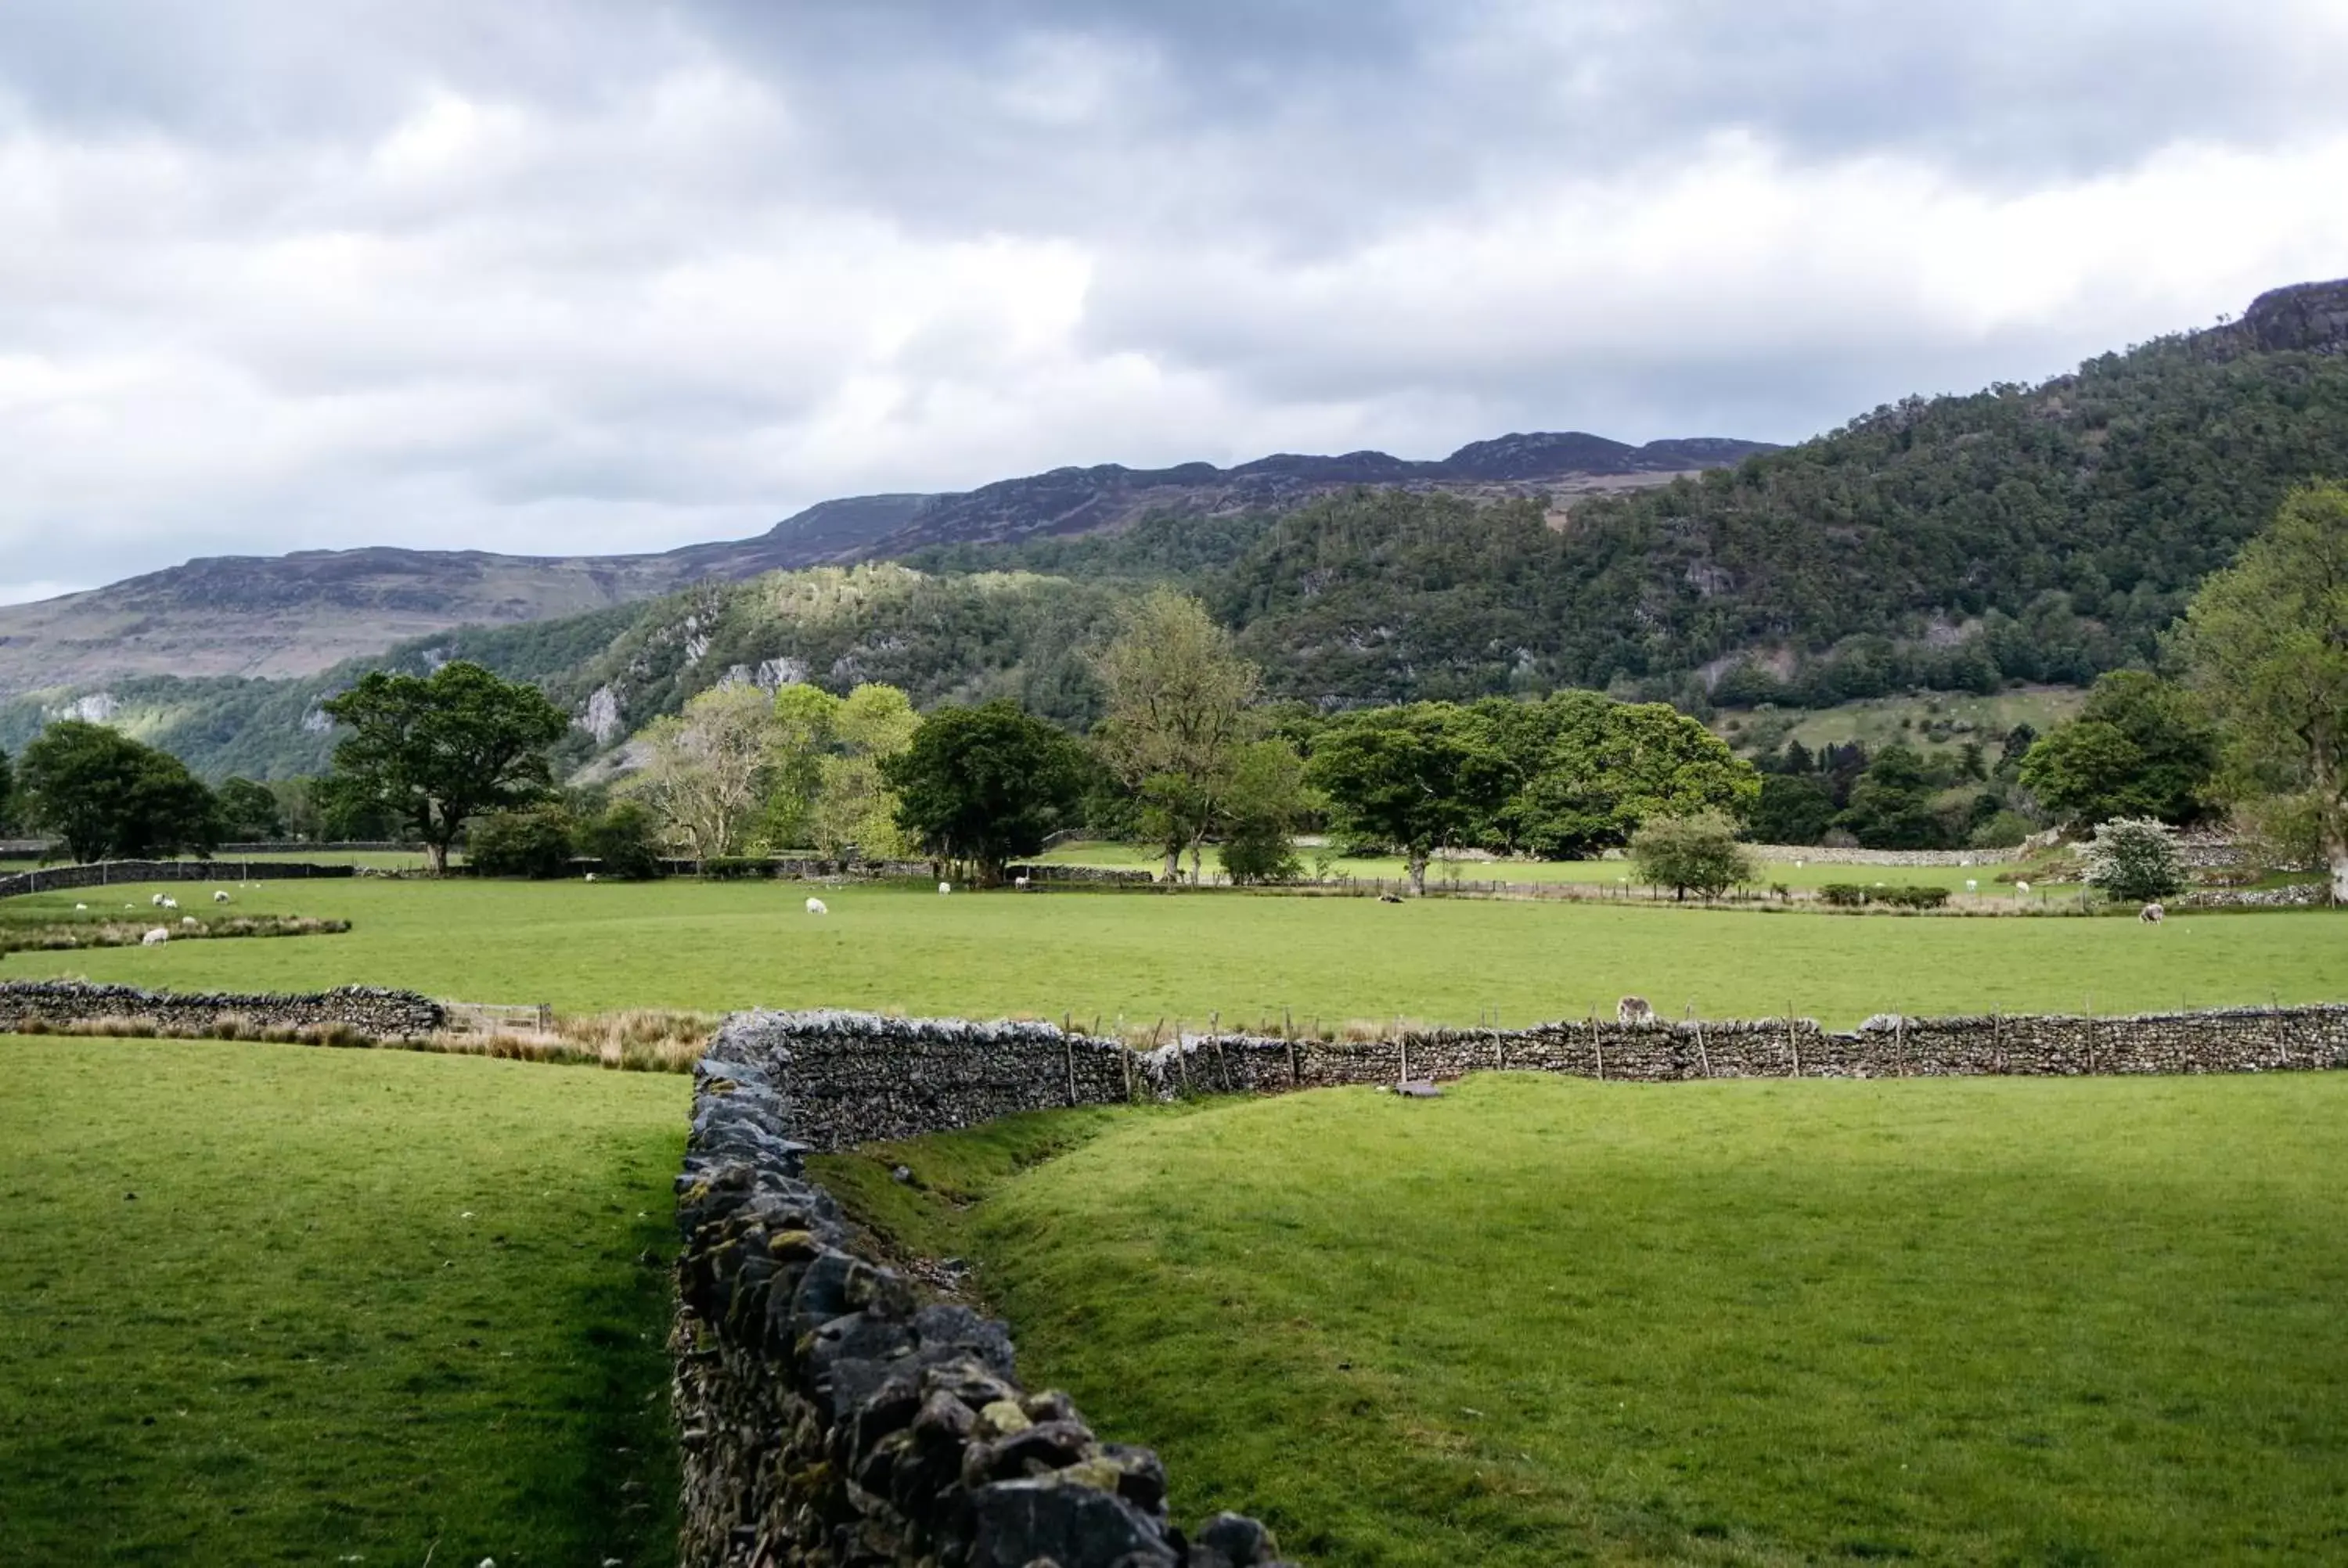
x: 616, y: 279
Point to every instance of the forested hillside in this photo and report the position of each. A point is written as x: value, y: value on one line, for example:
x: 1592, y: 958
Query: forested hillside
x: 2038, y: 534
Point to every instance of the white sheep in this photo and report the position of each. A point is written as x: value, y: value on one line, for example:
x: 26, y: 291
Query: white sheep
x: 157, y: 900
x: 2021, y: 888
x: 187, y: 920
x: 591, y: 876
x: 219, y: 897
x: 154, y: 939
x: 170, y: 902
x: 945, y: 887
x: 1020, y: 883
x: 817, y: 906
x: 84, y: 909
x: 2152, y: 914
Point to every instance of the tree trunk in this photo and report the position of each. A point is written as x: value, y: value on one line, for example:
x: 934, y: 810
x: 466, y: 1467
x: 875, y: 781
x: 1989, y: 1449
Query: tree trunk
x: 1173, y: 865
x: 435, y: 855
x: 1418, y: 864
x: 1195, y: 853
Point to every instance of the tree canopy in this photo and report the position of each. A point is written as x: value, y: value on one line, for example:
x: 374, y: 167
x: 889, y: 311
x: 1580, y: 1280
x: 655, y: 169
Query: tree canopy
x: 2140, y: 747
x: 433, y: 751
x: 2268, y: 642
x: 110, y: 797
x: 981, y: 786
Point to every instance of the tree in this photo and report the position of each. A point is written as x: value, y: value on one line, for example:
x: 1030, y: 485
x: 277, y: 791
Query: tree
x: 1178, y: 707
x: 1266, y: 798
x: 2268, y: 642
x: 1411, y: 777
x: 1588, y: 770
x: 111, y: 797
x: 799, y: 737
x: 707, y: 774
x: 1891, y: 804
x: 535, y: 841
x: 248, y: 811
x: 2134, y: 859
x: 980, y: 786
x: 625, y: 838
x: 433, y: 751
x: 855, y: 808
x: 2140, y: 747
x: 7, y: 793
x: 1795, y: 808
x: 1697, y: 853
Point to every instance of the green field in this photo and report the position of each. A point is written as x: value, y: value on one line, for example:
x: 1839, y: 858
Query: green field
x: 270, y: 1304
x: 1935, y: 725
x: 716, y: 946
x: 1543, y: 1321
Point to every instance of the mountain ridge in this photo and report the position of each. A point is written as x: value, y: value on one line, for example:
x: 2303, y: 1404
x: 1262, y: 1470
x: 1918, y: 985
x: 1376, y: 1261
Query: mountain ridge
x: 316, y: 608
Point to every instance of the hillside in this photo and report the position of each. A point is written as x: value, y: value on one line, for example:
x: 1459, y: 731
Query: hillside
x: 301, y: 614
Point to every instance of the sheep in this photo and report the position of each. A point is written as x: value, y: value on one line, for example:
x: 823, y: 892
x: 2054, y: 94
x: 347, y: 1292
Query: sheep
x: 154, y: 939
x: 817, y: 906
x: 2152, y: 914
x: 84, y: 909
x: 591, y: 876
x: 1633, y: 1010
x: 157, y: 900
x: 1020, y: 883
x: 218, y: 896
x: 944, y: 887
x: 187, y: 920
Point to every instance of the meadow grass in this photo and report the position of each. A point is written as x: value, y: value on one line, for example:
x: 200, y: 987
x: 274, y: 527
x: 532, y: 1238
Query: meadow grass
x: 711, y: 947
x: 1542, y: 1321
x: 275, y: 1304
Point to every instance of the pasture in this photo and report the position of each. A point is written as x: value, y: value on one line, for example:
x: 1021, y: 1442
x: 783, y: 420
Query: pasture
x: 589, y: 948
x: 272, y: 1303
x: 1541, y: 1321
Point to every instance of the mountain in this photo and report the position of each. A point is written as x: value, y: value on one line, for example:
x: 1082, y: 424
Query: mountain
x: 304, y: 613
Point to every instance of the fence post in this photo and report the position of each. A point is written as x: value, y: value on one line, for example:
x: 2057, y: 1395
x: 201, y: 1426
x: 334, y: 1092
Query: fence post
x: 1181, y: 1058
x: 1899, y: 1041
x: 1793, y: 1042
x: 1703, y: 1057
x: 1068, y: 1054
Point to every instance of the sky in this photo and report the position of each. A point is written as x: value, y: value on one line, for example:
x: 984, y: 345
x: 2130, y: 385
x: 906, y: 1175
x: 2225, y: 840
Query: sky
x: 573, y: 276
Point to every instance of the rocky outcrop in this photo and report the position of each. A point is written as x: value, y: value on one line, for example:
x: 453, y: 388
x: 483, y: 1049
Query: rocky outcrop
x: 828, y: 1417
x: 2305, y: 317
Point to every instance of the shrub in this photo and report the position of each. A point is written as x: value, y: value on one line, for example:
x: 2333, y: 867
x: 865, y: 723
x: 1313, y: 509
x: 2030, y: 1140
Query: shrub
x: 1697, y: 853
x: 737, y: 867
x: 1843, y: 895
x: 626, y: 840
x: 2134, y: 859
x: 1913, y: 896
x: 534, y: 843
x: 2004, y: 831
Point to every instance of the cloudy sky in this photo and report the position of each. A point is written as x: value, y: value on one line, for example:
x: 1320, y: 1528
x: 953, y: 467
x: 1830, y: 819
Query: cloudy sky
x: 572, y: 275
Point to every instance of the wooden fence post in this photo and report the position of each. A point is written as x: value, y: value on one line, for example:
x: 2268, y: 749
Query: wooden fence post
x: 1703, y: 1057
x: 1899, y: 1041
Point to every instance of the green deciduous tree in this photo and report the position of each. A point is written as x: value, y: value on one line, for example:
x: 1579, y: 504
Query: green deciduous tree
x: 433, y: 751
x: 1696, y: 853
x: 1266, y: 798
x: 110, y: 797
x: 799, y: 735
x: 2140, y: 747
x: 1413, y: 777
x: 855, y: 808
x: 248, y: 811
x: 1586, y: 770
x: 536, y: 842
x: 980, y: 786
x: 7, y: 794
x: 1177, y: 713
x: 625, y: 837
x: 2268, y: 640
x: 1794, y: 808
x: 1891, y: 805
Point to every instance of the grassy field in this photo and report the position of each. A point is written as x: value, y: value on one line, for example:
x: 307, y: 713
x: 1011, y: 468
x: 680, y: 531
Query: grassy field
x: 1542, y: 1321
x: 715, y: 946
x: 270, y: 1304
x: 1939, y: 723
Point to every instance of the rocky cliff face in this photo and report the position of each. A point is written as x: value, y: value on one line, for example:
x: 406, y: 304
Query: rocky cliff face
x: 2305, y: 317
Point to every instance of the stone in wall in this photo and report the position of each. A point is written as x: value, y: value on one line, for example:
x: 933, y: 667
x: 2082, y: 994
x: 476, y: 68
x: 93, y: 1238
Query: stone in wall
x: 385, y: 1015
x: 828, y: 1417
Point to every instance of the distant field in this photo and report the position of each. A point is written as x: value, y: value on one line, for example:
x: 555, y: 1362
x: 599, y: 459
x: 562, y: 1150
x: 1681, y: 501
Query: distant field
x: 1940, y: 721
x: 273, y: 1303
x: 1800, y: 873
x: 1544, y: 1321
x: 713, y: 946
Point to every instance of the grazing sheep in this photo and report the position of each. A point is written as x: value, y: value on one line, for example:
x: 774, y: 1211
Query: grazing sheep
x: 816, y: 906
x: 154, y: 939
x: 1020, y: 883
x: 170, y: 902
x: 219, y: 897
x: 1633, y: 1010
x: 84, y: 909
x: 2152, y: 914
x: 157, y: 900
x: 945, y: 887
x: 591, y: 876
x: 187, y: 920
x: 1389, y: 897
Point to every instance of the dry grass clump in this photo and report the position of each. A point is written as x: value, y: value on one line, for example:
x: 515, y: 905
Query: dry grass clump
x: 640, y: 1040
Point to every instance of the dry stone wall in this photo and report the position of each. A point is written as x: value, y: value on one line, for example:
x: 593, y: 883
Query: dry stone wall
x: 852, y: 1078
x: 383, y: 1015
x: 827, y: 1417
x: 112, y: 872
